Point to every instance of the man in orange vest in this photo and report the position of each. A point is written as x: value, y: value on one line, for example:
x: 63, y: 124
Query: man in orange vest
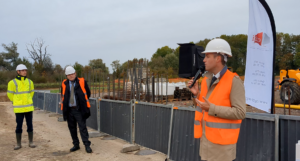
x: 220, y: 106
x: 75, y: 105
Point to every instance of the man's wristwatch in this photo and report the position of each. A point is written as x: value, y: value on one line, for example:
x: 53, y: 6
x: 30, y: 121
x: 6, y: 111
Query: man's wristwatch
x: 194, y: 96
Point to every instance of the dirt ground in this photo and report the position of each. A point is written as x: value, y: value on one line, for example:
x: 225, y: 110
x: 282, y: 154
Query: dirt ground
x: 53, y: 142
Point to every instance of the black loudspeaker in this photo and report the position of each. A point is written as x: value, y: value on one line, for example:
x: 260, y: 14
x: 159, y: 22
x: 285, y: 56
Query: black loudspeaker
x: 190, y: 60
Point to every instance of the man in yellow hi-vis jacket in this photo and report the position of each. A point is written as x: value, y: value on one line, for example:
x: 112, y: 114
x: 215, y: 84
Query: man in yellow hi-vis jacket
x: 20, y: 92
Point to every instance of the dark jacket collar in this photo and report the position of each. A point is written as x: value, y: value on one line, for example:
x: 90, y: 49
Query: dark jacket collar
x: 223, y: 71
x: 20, y: 77
x: 209, y: 75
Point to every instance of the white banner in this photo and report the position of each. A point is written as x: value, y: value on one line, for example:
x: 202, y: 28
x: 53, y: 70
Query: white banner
x: 259, y: 64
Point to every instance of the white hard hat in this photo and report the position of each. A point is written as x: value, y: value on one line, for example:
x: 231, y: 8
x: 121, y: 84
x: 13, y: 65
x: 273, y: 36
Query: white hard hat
x: 21, y: 67
x: 69, y: 70
x: 218, y: 45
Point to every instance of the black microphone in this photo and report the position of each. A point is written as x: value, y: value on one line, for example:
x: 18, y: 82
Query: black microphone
x: 197, y: 76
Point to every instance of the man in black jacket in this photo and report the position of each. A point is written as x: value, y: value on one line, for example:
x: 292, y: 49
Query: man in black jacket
x: 76, y: 107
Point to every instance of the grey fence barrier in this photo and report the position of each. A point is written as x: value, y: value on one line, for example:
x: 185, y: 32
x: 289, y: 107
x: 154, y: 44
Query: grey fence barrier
x: 116, y: 118
x: 289, y: 133
x: 40, y: 100
x: 50, y: 102
x: 35, y: 99
x: 92, y: 120
x: 106, y: 117
x: 152, y: 125
x: 183, y: 146
x: 257, y: 139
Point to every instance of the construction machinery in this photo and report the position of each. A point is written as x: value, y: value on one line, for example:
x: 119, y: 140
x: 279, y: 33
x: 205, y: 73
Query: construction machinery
x: 289, y: 86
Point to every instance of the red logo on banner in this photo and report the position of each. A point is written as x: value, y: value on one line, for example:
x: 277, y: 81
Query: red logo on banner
x: 258, y: 38
x: 261, y: 38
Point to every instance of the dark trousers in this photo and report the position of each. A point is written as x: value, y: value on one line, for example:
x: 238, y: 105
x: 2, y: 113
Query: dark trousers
x: 75, y: 117
x: 19, y: 120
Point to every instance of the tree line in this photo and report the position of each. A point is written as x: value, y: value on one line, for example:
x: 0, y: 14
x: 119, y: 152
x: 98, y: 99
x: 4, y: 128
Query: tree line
x: 164, y: 60
x: 287, y: 54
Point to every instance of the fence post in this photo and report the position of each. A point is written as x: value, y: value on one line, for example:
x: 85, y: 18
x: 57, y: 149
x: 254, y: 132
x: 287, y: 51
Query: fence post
x: 44, y: 108
x: 57, y: 103
x: 132, y: 120
x: 276, y: 137
x: 98, y: 112
x: 170, y: 133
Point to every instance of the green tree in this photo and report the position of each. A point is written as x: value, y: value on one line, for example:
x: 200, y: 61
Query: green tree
x: 157, y: 65
x: 86, y: 69
x: 48, y: 65
x: 171, y: 61
x: 162, y: 52
x: 115, y: 65
x: 287, y: 47
x: 78, y: 67
x: 297, y: 59
x: 98, y: 64
x: 58, y: 69
x: 238, y: 45
x: 10, y: 57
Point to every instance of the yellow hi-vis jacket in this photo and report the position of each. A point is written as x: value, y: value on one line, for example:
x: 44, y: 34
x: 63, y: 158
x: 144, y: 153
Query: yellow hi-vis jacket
x: 20, y: 92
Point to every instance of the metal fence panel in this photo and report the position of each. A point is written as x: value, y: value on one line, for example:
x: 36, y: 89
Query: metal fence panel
x: 257, y: 138
x: 35, y: 99
x: 152, y: 126
x: 92, y: 120
x: 289, y: 135
x: 40, y: 101
x: 50, y: 102
x: 116, y: 119
x: 122, y: 120
x: 184, y: 147
x: 106, y: 117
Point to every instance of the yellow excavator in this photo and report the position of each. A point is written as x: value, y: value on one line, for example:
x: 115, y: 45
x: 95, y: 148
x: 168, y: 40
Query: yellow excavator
x: 289, y: 83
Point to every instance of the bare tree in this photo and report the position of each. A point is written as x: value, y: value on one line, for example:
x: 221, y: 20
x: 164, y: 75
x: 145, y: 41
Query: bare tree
x: 38, y: 51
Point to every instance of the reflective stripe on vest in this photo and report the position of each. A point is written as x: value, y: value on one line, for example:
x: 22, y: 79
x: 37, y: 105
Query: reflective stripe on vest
x: 63, y: 86
x: 219, y: 130
x: 16, y: 84
x: 81, y: 83
x: 197, y: 123
x: 23, y: 106
x: 222, y: 125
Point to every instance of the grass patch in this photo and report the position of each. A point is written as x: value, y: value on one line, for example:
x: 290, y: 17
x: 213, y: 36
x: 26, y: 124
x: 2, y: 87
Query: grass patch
x: 54, y: 91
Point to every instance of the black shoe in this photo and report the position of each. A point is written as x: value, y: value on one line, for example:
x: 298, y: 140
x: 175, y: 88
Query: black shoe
x: 74, y: 148
x: 88, y: 149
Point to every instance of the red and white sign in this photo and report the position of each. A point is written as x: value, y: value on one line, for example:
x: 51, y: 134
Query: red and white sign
x: 261, y: 38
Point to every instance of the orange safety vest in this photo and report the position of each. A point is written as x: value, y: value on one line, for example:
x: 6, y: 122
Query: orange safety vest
x: 217, y: 130
x: 81, y: 83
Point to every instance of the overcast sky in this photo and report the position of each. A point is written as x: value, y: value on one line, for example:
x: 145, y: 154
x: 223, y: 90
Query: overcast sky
x: 126, y: 29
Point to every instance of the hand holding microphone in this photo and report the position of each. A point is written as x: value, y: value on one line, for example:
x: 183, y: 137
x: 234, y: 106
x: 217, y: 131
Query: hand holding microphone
x: 194, y: 88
